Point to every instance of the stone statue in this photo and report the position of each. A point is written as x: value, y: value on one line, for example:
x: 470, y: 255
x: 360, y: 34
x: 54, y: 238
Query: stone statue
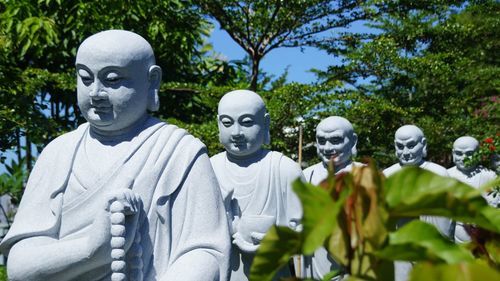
x: 255, y: 182
x: 125, y: 196
x: 411, y: 149
x: 336, y: 142
x: 475, y: 176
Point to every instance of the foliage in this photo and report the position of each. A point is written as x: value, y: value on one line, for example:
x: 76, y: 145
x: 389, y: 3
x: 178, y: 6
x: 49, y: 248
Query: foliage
x: 357, y: 218
x: 262, y: 26
x: 13, y: 181
x: 433, y: 63
x: 488, y: 151
x: 39, y: 41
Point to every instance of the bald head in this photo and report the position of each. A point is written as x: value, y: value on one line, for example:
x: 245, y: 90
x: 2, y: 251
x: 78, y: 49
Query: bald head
x: 243, y: 99
x: 243, y: 123
x: 336, y: 141
x: 409, y: 131
x: 333, y: 123
x: 117, y: 81
x: 464, y: 148
x: 410, y: 144
x: 466, y: 142
x: 120, y: 45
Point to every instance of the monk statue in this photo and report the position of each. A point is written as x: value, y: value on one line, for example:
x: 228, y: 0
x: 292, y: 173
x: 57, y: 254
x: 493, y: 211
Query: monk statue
x: 336, y: 143
x: 474, y: 175
x: 125, y: 196
x: 255, y: 182
x: 411, y: 150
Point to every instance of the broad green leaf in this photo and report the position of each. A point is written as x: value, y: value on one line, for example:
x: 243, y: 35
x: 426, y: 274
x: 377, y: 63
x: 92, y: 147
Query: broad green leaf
x: 275, y: 251
x: 493, y: 248
x: 320, y: 214
x: 418, y: 241
x: 413, y: 191
x: 453, y: 272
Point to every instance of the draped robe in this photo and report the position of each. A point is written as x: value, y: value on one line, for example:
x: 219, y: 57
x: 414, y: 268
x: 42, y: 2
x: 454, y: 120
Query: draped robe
x: 184, y: 222
x: 271, y: 196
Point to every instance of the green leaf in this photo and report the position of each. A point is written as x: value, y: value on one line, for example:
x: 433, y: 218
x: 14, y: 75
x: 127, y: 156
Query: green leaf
x: 418, y: 241
x: 413, y: 191
x: 275, y: 251
x: 455, y: 272
x: 320, y: 214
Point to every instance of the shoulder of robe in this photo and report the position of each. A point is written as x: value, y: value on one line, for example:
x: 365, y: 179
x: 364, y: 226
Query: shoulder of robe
x: 288, y: 167
x: 310, y: 169
x: 391, y: 170
x: 437, y: 169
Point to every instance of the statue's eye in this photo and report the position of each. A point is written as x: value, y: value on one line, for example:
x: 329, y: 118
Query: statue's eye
x: 336, y: 140
x: 247, y: 121
x: 321, y: 140
x: 400, y: 146
x: 226, y: 122
x: 112, y: 78
x: 458, y: 153
x: 85, y: 76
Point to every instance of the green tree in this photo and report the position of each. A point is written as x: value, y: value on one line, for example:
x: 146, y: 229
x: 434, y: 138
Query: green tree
x: 39, y: 41
x: 432, y: 63
x: 262, y: 26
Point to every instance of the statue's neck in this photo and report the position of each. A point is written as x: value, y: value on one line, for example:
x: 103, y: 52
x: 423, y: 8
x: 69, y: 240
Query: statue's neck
x: 118, y: 136
x: 337, y: 168
x: 247, y: 160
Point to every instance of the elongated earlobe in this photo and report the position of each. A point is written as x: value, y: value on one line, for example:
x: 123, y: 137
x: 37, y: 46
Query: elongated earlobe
x: 154, y: 77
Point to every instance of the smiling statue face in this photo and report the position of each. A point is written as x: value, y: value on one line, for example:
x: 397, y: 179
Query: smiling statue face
x: 113, y: 79
x: 464, y: 148
x: 410, y: 145
x: 243, y: 123
x: 335, y: 140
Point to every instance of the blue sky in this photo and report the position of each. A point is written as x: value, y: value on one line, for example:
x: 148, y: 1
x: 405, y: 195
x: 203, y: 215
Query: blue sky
x: 276, y: 61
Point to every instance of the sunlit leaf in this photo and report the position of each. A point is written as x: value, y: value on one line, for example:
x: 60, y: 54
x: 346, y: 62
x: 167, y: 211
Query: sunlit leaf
x: 455, y: 272
x: 418, y: 240
x: 413, y: 191
x: 275, y: 251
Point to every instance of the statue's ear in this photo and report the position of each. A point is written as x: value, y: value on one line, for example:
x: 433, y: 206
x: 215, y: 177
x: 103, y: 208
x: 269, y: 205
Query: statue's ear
x: 267, y: 128
x: 354, y: 139
x: 154, y: 77
x: 424, y: 150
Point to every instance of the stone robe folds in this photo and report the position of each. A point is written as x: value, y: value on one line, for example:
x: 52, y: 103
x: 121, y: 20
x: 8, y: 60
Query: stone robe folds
x: 272, y: 196
x: 184, y: 230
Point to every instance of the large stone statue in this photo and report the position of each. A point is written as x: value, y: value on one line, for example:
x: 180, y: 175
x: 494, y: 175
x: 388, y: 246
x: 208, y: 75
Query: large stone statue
x: 255, y: 182
x: 125, y: 196
x: 336, y: 142
x: 474, y: 175
x: 411, y: 149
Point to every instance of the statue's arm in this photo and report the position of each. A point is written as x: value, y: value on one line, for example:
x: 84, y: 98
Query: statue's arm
x: 293, y: 206
x: 46, y: 258
x: 199, y: 228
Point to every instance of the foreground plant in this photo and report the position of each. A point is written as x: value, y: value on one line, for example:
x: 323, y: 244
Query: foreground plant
x: 354, y: 216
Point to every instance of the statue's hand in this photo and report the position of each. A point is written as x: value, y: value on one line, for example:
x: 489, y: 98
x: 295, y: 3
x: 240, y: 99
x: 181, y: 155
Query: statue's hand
x: 101, y: 231
x: 245, y: 246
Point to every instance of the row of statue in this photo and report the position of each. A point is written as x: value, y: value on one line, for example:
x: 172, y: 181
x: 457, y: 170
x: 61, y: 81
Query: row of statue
x: 128, y: 197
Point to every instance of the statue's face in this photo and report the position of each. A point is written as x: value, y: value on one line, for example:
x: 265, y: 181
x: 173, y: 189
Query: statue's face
x: 409, y: 150
x: 112, y: 90
x: 335, y: 145
x: 242, y: 127
x: 461, y: 153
